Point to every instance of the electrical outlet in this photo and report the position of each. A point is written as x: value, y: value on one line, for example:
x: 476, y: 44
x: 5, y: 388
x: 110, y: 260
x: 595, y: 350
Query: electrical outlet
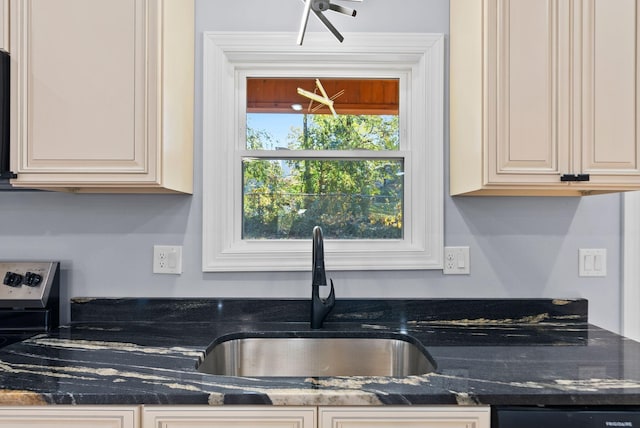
x: 167, y: 259
x: 456, y: 261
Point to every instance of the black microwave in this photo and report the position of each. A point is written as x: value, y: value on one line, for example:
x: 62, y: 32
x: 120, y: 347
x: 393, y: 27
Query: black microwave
x: 5, y: 172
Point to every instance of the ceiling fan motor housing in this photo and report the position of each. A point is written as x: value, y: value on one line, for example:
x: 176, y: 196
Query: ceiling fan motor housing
x: 320, y: 5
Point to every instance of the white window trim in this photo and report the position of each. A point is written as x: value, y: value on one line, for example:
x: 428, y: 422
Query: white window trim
x: 630, y: 266
x: 228, y: 55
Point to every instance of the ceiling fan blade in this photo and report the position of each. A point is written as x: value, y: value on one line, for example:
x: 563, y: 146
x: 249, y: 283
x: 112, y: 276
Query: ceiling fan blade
x: 333, y: 98
x: 315, y: 97
x: 341, y: 9
x: 328, y: 24
x: 303, y: 22
x: 321, y: 88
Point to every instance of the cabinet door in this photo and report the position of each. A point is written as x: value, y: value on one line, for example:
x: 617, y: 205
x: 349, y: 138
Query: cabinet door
x: 80, y: 87
x: 69, y: 417
x: 608, y: 130
x: 229, y: 417
x: 407, y: 417
x: 527, y: 86
x: 4, y: 25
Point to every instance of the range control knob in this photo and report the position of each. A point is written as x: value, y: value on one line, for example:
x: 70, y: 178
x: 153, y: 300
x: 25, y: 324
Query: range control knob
x: 12, y: 279
x: 32, y: 279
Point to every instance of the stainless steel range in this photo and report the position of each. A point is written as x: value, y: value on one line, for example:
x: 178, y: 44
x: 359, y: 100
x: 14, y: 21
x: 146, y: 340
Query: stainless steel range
x: 29, y: 299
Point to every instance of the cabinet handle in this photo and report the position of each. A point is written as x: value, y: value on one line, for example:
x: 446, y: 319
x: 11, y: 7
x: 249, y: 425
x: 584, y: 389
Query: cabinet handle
x: 574, y: 177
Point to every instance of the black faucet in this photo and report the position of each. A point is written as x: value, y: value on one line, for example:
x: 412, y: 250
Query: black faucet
x: 320, y: 308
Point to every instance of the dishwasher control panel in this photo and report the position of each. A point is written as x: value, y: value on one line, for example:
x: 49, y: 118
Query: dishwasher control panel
x: 26, y: 284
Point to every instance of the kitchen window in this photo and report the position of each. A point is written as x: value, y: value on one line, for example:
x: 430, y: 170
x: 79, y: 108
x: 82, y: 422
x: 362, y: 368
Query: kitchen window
x: 333, y: 161
x: 346, y: 136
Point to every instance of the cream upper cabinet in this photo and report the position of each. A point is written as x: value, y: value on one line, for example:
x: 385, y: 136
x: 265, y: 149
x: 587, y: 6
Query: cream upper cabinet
x: 102, y: 95
x: 70, y: 417
x: 544, y: 91
x: 4, y: 25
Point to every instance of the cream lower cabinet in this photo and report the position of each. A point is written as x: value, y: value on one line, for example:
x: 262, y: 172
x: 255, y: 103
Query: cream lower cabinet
x: 404, y: 417
x: 228, y: 417
x: 102, y: 95
x: 312, y: 417
x: 244, y: 417
x: 544, y: 91
x: 70, y: 417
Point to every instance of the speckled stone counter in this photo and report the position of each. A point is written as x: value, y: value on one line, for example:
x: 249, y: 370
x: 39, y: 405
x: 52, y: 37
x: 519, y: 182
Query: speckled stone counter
x: 145, y: 351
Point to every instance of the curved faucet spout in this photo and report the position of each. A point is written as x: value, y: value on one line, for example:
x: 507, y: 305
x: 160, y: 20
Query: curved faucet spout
x: 320, y: 308
x: 318, y: 276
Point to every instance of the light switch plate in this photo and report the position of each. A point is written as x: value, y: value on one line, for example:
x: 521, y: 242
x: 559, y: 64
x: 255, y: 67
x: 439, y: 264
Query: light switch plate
x: 592, y: 262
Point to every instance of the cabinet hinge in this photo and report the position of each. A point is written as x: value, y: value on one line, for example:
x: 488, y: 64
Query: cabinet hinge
x: 574, y: 177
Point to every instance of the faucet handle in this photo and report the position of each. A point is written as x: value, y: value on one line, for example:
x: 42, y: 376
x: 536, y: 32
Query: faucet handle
x: 331, y: 298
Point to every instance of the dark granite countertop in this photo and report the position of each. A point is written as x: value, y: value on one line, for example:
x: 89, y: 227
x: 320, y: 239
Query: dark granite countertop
x: 498, y: 352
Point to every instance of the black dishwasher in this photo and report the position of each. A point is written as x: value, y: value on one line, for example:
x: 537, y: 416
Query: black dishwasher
x: 565, y: 417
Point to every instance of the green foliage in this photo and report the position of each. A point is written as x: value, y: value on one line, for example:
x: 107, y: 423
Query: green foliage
x: 349, y: 199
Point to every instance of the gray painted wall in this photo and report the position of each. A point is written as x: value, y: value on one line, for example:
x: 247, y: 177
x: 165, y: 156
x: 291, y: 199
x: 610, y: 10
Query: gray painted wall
x: 520, y: 247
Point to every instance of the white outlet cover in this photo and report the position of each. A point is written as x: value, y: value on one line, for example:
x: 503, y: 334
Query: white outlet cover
x: 456, y: 261
x: 167, y: 259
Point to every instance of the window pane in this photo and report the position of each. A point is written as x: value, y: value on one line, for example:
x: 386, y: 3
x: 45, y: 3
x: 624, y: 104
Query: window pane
x: 278, y: 131
x: 368, y: 96
x: 349, y: 199
x: 363, y: 114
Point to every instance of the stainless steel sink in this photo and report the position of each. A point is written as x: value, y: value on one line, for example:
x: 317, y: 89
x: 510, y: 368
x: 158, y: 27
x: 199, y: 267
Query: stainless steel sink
x: 317, y: 356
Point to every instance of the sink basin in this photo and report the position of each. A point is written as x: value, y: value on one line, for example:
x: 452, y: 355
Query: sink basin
x: 314, y: 356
